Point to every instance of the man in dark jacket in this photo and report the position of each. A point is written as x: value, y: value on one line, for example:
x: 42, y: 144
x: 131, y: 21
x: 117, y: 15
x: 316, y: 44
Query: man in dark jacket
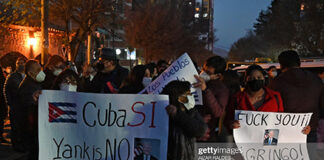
x: 110, y: 74
x: 215, y: 95
x: 3, y: 107
x: 10, y: 91
x: 27, y: 108
x: 301, y: 90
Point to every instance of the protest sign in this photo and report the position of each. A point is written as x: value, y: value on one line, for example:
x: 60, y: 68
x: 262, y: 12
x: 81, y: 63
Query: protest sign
x: 181, y: 69
x: 102, y: 126
x: 269, y: 135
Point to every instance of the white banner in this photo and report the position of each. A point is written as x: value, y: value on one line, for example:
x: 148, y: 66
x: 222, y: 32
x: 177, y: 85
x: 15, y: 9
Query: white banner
x: 181, y: 69
x: 268, y: 135
x: 102, y: 126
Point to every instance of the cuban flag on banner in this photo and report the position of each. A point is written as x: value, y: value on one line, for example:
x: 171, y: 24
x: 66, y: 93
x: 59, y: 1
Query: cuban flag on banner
x: 62, y: 112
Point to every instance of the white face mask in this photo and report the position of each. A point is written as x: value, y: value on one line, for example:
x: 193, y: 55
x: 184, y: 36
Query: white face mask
x: 57, y: 72
x: 68, y: 87
x: 40, y: 76
x: 191, y: 102
x: 23, y: 75
x: 204, y: 76
x: 274, y: 73
x: 146, y: 81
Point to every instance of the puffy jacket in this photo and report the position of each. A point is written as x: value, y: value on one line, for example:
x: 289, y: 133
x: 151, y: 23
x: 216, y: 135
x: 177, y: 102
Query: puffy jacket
x: 215, y: 99
x: 240, y: 101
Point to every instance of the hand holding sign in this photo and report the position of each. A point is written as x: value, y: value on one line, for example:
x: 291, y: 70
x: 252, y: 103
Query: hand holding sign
x: 236, y: 124
x: 200, y: 83
x: 306, y: 130
x: 181, y: 69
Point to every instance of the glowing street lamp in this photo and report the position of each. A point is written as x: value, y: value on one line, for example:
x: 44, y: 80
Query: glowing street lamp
x: 31, y: 42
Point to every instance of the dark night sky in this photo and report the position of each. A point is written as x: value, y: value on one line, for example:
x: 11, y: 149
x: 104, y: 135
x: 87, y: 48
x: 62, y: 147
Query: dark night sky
x: 232, y: 18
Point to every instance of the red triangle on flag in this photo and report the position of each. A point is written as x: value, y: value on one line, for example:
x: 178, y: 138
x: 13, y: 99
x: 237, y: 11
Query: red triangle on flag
x: 54, y: 112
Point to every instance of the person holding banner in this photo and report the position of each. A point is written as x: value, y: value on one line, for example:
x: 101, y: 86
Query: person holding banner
x: 215, y: 95
x: 66, y: 81
x: 27, y: 107
x: 255, y: 97
x: 185, y: 124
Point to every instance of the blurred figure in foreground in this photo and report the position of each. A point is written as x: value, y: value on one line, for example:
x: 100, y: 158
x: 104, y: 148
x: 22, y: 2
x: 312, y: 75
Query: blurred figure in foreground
x: 185, y: 123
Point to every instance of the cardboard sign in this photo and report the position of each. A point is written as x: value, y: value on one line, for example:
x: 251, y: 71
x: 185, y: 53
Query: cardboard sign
x: 102, y: 126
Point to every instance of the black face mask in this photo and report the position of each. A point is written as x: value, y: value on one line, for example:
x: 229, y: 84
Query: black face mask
x: 255, y: 85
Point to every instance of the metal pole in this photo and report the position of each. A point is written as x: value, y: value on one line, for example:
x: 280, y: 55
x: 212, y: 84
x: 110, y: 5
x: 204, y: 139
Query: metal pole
x: 89, y: 49
x: 44, y: 26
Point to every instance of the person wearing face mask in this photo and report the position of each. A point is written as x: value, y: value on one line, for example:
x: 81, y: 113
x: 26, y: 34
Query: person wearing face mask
x: 109, y: 75
x: 272, y: 73
x: 255, y: 97
x: 10, y: 92
x: 53, y: 68
x: 215, y: 96
x: 137, y: 80
x: 153, y: 69
x: 27, y: 107
x: 185, y: 122
x: 66, y: 81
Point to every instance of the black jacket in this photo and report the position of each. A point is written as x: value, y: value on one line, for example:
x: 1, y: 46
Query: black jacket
x: 301, y: 92
x: 11, y: 86
x: 3, y: 106
x: 49, y: 79
x: 273, y: 142
x: 184, y: 128
x: 99, y: 82
x: 27, y: 108
x: 131, y: 88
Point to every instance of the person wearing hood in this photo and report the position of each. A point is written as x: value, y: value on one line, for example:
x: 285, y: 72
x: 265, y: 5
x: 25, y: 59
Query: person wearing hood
x: 27, y: 108
x: 10, y: 91
x: 255, y: 97
x: 53, y: 68
x: 66, y: 81
x: 137, y: 80
x: 301, y: 90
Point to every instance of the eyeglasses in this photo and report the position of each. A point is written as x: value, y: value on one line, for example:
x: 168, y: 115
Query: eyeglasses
x: 70, y: 82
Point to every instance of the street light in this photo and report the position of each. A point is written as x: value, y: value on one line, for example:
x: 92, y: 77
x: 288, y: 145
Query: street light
x: 31, y: 42
x: 118, y: 51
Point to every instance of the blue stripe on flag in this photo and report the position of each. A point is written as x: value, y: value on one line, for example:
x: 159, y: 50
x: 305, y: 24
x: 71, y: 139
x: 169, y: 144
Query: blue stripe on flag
x: 70, y: 113
x: 61, y: 120
x: 64, y: 104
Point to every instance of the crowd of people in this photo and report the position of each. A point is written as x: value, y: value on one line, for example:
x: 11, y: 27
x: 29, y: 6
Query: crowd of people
x: 288, y: 89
